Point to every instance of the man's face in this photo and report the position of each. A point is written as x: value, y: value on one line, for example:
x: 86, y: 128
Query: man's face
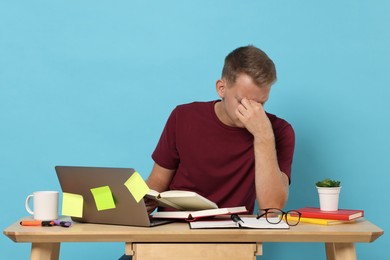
x: 232, y: 94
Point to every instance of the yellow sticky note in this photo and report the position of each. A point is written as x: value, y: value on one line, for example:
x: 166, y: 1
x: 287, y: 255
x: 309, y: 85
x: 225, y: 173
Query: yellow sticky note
x: 72, y: 205
x: 103, y: 198
x: 137, y: 186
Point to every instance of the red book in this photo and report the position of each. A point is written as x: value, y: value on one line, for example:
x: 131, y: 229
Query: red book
x: 341, y: 214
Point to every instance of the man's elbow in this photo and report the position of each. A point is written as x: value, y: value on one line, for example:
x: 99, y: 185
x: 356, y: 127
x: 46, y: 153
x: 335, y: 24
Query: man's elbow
x: 278, y: 202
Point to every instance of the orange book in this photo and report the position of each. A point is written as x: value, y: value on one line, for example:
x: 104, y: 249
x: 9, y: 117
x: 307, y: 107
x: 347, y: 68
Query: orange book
x: 341, y: 214
x: 322, y: 221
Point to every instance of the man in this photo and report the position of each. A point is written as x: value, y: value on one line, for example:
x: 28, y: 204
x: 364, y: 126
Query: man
x: 229, y: 150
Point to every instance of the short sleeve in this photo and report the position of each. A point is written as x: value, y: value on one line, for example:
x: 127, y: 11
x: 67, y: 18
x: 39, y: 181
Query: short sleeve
x: 165, y: 153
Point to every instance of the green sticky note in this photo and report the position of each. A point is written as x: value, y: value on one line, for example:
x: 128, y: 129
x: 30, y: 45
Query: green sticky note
x: 72, y: 205
x: 137, y: 186
x: 103, y: 198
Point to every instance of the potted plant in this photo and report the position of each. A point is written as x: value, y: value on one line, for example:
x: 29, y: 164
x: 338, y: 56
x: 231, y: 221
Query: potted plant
x: 328, y: 191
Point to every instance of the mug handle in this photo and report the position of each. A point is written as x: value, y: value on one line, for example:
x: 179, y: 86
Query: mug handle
x: 27, y: 204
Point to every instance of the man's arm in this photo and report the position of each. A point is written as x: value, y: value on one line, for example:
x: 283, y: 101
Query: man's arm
x: 271, y: 183
x: 158, y: 180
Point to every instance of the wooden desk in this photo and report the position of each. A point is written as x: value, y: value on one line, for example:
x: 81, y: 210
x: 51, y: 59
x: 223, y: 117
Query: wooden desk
x: 178, y: 241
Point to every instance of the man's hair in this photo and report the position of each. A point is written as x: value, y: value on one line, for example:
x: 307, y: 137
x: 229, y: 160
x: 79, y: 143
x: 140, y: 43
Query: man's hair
x: 251, y: 61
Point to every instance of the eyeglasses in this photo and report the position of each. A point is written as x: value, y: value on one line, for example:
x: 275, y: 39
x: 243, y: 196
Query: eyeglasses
x: 275, y: 216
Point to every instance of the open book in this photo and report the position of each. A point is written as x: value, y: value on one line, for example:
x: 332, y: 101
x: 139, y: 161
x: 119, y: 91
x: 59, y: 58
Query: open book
x: 195, y: 215
x: 181, y: 200
x: 247, y: 222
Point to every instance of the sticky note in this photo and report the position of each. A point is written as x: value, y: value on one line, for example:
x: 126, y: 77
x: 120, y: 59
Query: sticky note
x: 72, y: 205
x: 137, y: 186
x: 103, y: 198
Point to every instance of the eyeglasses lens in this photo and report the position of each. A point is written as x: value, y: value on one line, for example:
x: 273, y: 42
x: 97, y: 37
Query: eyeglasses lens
x: 292, y: 217
x: 274, y: 216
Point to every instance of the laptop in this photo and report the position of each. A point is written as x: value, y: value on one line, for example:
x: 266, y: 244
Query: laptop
x: 80, y: 180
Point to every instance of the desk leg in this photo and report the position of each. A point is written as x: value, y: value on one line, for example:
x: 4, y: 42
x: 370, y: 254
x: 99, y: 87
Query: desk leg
x: 45, y: 251
x: 340, y: 251
x: 129, y: 250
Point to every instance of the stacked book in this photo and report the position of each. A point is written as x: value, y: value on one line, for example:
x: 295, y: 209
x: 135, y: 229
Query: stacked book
x: 316, y: 216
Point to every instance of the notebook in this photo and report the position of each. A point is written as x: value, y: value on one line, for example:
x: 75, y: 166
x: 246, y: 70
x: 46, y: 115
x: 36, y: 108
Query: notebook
x: 80, y: 181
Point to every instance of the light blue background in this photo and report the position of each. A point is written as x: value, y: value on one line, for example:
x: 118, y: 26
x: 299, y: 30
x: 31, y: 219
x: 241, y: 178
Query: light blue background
x: 93, y: 82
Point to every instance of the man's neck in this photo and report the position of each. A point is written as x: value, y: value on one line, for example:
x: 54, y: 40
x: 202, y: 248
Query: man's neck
x: 221, y: 114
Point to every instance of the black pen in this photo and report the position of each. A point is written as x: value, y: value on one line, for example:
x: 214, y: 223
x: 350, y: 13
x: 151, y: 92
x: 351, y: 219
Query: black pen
x: 237, y: 219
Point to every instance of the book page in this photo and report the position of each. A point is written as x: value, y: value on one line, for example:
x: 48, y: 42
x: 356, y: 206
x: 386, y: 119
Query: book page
x: 248, y: 223
x: 182, y: 200
x: 172, y: 214
x: 263, y: 223
x: 152, y: 194
x: 214, y: 224
x: 177, y: 193
x: 220, y: 211
x: 194, y: 215
x: 188, y: 200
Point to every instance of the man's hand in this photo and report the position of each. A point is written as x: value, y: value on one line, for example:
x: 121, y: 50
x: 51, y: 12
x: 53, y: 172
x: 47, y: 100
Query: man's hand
x: 158, y: 180
x: 254, y: 118
x: 151, y: 205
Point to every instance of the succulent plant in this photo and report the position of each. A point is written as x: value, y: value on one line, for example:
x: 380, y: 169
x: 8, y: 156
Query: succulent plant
x: 328, y: 183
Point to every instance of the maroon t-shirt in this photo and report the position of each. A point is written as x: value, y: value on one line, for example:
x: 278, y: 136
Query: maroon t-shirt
x: 213, y: 159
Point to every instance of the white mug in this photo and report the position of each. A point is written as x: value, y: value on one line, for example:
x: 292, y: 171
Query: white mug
x: 45, y: 205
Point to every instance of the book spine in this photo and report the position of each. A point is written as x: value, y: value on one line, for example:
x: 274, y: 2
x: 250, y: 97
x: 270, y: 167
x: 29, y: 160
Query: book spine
x: 323, y: 216
x: 318, y: 221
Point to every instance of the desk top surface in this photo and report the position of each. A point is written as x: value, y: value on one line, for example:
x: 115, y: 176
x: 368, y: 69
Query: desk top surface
x: 360, y: 231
